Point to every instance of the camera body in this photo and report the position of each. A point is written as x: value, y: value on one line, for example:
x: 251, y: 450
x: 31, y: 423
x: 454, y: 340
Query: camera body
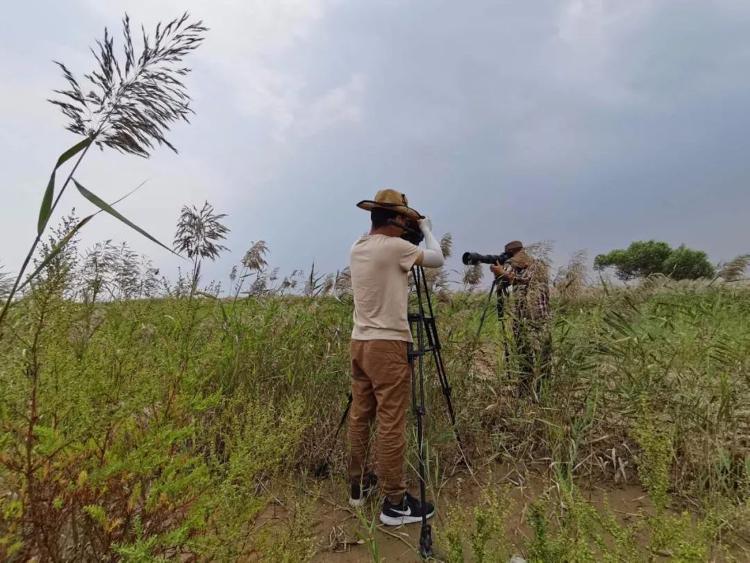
x: 413, y: 233
x: 474, y: 258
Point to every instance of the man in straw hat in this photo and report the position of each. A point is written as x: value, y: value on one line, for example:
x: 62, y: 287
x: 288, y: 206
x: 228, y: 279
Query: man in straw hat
x: 530, y: 313
x: 381, y: 375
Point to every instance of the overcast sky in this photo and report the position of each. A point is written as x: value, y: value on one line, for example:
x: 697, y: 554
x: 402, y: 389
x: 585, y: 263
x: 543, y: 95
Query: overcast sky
x: 586, y: 123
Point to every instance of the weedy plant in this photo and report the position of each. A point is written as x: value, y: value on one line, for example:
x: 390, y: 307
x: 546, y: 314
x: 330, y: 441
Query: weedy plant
x: 114, y: 272
x: 127, y: 104
x: 5, y: 283
x: 478, y: 534
x: 342, y: 285
x: 570, y: 280
x: 472, y: 277
x: 198, y: 236
x: 734, y: 270
x: 123, y: 432
x: 254, y: 263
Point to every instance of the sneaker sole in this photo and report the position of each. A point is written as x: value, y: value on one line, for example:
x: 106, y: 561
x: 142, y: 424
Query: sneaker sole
x: 401, y: 520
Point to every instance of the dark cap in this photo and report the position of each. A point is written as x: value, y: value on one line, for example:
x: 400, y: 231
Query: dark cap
x: 513, y: 246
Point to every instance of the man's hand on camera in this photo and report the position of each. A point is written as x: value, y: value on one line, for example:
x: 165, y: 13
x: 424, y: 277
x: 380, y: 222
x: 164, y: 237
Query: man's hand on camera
x: 498, y: 270
x: 425, y: 224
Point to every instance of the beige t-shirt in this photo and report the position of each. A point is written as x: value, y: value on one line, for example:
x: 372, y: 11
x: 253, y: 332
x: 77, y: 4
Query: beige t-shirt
x: 380, y: 267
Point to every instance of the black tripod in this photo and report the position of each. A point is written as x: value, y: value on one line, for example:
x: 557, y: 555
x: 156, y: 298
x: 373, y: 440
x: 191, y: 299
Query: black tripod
x: 422, y: 322
x: 502, y: 295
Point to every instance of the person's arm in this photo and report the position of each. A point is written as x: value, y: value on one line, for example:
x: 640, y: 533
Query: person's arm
x: 500, y: 271
x: 432, y: 255
x: 525, y: 275
x: 520, y: 276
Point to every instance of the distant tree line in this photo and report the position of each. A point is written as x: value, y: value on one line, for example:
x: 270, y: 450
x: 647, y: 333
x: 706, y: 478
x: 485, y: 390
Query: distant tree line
x: 645, y: 258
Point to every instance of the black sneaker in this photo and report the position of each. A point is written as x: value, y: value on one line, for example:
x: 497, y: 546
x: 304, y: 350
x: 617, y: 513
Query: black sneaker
x: 409, y: 511
x: 361, y: 490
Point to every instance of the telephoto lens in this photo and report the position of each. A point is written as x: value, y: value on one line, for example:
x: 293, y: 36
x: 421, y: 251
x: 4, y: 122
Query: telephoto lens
x: 474, y: 258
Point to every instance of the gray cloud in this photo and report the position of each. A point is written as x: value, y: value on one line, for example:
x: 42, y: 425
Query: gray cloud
x: 588, y: 123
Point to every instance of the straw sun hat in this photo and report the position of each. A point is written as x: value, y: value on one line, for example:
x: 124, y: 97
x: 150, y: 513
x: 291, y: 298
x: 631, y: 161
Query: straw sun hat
x: 393, y: 200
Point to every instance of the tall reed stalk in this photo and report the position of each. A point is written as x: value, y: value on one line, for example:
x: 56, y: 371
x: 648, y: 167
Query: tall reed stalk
x: 128, y: 105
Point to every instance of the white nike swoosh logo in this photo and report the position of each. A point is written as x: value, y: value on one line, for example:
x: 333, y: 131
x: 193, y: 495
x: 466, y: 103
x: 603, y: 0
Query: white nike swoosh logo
x: 406, y: 512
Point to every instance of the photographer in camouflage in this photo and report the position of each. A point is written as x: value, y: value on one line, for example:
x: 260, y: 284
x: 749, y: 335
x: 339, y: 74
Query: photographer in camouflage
x: 525, y: 282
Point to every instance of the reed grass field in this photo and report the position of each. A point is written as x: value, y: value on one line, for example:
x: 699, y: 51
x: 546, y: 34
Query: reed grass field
x: 185, y: 425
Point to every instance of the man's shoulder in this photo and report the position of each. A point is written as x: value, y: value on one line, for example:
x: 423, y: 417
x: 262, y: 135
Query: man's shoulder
x: 361, y: 243
x: 399, y: 243
x: 382, y: 241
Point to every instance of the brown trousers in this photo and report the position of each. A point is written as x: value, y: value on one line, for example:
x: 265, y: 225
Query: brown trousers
x: 381, y: 389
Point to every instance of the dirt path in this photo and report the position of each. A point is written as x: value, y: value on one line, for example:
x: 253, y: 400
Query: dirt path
x: 346, y: 536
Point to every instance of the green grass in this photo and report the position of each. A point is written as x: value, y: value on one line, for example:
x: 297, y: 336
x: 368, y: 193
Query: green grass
x: 161, y: 428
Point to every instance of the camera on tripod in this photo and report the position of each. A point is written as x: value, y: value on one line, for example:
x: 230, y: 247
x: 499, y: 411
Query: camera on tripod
x: 474, y: 258
x: 412, y: 232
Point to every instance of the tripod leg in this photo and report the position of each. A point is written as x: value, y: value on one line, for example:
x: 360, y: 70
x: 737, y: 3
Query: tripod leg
x: 506, y: 349
x: 343, y: 417
x: 426, y: 319
x: 324, y: 466
x: 417, y: 398
x: 445, y: 387
x: 486, y: 308
x: 434, y: 342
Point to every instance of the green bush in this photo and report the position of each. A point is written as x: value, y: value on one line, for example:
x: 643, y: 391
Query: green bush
x: 645, y: 258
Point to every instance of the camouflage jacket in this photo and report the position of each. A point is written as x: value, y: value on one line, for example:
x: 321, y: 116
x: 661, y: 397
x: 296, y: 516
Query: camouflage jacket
x: 529, y: 282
